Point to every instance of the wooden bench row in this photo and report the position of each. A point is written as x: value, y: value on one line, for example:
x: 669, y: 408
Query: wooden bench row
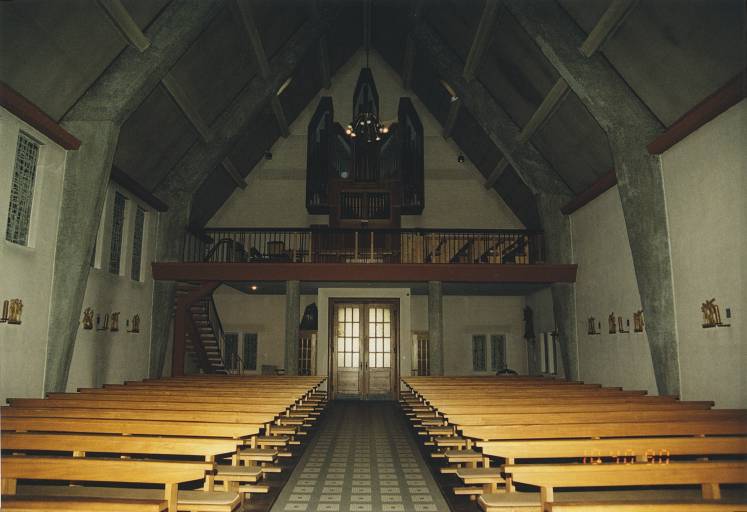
x: 235, y: 441
x: 604, y: 432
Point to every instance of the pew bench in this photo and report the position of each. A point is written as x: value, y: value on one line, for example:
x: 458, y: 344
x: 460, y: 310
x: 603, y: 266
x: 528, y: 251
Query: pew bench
x: 549, y: 477
x: 76, y: 469
x: 660, y: 506
x: 37, y: 504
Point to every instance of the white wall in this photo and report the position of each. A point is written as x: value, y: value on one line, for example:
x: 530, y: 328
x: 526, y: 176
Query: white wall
x: 276, y: 191
x: 102, y: 357
x: 705, y: 179
x: 606, y: 283
x: 26, y: 272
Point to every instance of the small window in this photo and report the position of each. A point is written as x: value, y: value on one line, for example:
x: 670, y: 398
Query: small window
x: 115, y: 254
x: 478, y: 353
x: 497, y: 352
x: 231, y: 350
x: 137, y: 244
x: 250, y: 351
x: 22, y: 190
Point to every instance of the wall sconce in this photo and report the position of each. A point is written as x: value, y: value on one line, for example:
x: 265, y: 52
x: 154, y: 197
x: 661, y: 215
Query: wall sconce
x: 105, y: 326
x: 592, y: 326
x: 114, y: 322
x: 12, y: 311
x: 638, y: 321
x: 88, y: 318
x: 711, y: 314
x: 135, y: 324
x: 612, y: 325
x: 620, y: 328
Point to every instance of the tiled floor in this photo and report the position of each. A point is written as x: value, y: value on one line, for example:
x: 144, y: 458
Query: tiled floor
x: 362, y: 459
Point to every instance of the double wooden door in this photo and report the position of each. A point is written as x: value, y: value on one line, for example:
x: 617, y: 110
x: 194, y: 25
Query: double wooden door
x: 364, y: 349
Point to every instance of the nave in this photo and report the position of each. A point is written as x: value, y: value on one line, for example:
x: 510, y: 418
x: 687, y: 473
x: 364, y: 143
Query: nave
x: 363, y: 458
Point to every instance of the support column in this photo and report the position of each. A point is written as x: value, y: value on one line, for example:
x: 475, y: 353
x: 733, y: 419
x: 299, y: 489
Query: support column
x: 292, y: 320
x: 169, y: 246
x: 630, y: 126
x: 436, y: 327
x: 83, y: 193
x: 557, y: 232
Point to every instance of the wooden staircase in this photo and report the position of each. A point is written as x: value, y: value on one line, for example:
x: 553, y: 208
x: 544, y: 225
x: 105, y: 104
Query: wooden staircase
x: 205, y: 350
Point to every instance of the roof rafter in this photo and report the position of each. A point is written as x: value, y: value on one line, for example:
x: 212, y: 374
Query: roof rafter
x: 481, y: 40
x: 607, y: 25
x: 193, y: 168
x: 244, y: 12
x: 125, y: 25
x: 500, y: 128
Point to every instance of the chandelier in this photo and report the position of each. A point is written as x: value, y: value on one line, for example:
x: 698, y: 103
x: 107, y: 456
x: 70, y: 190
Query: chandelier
x: 366, y: 127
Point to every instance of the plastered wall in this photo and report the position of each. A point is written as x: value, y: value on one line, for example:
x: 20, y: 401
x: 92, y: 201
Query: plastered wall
x: 605, y: 284
x: 705, y: 181
x: 115, y: 356
x: 26, y: 272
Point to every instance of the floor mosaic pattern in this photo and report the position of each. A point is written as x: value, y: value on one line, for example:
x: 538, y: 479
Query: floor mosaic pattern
x: 362, y: 459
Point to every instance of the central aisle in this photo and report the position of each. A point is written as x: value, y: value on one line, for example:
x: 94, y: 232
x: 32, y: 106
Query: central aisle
x: 362, y: 459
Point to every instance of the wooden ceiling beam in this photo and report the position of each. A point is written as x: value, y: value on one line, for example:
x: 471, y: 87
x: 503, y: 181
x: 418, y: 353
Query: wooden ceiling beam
x: 547, y: 108
x: 607, y: 25
x: 233, y: 173
x: 244, y: 11
x: 408, y: 63
x: 179, y: 95
x: 481, y: 40
x: 323, y: 49
x: 454, y: 107
x: 125, y: 25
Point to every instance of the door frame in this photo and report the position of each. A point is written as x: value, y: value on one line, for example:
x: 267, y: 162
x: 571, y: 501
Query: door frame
x: 331, y: 353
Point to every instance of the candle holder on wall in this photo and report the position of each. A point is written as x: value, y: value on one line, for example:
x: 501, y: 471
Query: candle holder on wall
x: 102, y: 326
x: 711, y: 314
x: 88, y: 319
x: 638, y: 321
x: 114, y: 322
x: 591, y: 326
x: 6, y: 307
x: 620, y: 328
x: 612, y: 324
x: 135, y: 324
x: 15, y: 307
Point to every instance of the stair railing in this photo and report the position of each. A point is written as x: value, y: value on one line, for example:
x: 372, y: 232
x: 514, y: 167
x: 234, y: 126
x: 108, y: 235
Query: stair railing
x: 217, y: 327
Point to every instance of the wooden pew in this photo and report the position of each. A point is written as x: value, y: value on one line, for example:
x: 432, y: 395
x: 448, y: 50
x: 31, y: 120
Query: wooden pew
x: 169, y: 474
x: 626, y: 506
x: 38, y: 503
x: 549, y: 477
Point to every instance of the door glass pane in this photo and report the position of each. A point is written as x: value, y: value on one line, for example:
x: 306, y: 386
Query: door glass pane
x: 387, y: 345
x: 386, y: 315
x: 372, y: 345
x: 387, y: 330
x: 356, y: 345
x: 372, y: 360
x: 356, y: 329
x: 356, y: 313
x: 341, y: 360
x: 387, y: 361
x: 348, y: 360
x: 356, y: 360
x: 379, y: 360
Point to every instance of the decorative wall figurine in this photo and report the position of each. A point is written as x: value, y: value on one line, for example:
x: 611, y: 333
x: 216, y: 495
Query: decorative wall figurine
x: 592, y: 326
x: 711, y: 314
x: 135, y: 324
x: 88, y: 318
x: 620, y: 325
x: 611, y: 321
x: 114, y: 321
x: 638, y: 321
x: 105, y: 326
x: 14, y: 311
x: 6, y: 307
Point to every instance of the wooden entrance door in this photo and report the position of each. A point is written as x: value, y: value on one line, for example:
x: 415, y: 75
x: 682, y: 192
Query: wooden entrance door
x: 364, y: 349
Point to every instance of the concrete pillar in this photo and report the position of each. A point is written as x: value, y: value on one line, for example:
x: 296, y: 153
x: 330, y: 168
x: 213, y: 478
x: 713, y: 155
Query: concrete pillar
x: 169, y: 246
x: 83, y: 193
x: 559, y: 249
x: 292, y: 322
x: 630, y: 126
x: 436, y: 326
x: 96, y: 120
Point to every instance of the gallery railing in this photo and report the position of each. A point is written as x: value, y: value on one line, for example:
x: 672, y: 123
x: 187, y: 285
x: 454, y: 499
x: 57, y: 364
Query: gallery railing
x: 327, y: 245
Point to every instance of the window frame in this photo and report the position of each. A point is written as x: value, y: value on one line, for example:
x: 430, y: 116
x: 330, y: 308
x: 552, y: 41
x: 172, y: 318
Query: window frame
x: 35, y: 179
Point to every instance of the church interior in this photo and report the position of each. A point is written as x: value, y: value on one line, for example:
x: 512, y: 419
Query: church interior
x: 373, y: 255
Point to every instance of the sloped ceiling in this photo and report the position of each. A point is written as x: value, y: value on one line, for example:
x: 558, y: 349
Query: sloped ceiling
x: 672, y: 53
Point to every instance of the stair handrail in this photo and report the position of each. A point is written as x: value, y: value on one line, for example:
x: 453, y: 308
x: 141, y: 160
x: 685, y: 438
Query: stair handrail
x: 217, y: 327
